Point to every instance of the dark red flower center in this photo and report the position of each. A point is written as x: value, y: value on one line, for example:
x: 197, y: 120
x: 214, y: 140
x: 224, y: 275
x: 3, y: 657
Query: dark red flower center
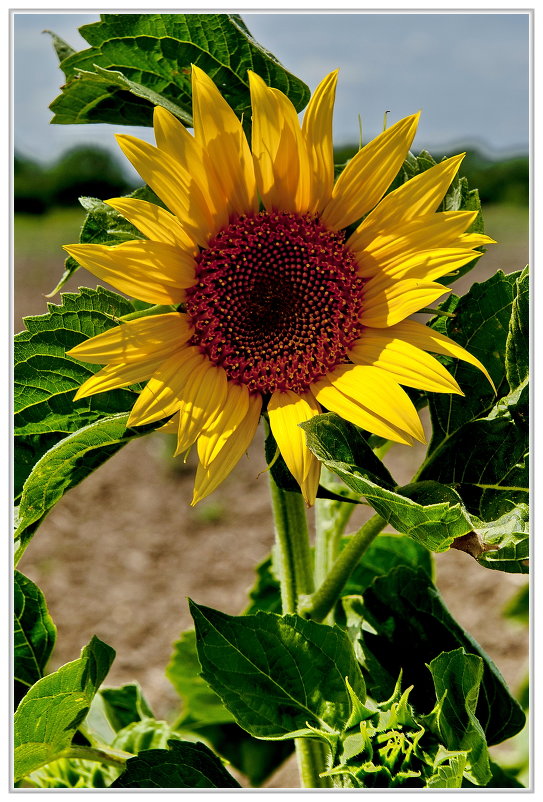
x: 277, y: 302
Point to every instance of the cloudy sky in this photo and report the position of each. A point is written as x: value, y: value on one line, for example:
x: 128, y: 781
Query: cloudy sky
x: 468, y: 72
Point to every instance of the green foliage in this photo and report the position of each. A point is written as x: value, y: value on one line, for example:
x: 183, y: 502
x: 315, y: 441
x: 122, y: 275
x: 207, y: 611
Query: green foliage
x: 34, y: 634
x: 279, y: 676
x: 404, y: 608
x: 183, y: 765
x: 125, y: 705
x: 52, y: 710
x: 138, y: 61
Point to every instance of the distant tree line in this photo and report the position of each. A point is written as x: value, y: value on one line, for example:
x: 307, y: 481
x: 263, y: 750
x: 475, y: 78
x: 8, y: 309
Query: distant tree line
x: 498, y: 181
x: 82, y: 170
x: 93, y: 171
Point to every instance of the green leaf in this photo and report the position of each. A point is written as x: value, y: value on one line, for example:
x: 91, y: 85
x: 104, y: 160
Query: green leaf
x: 68, y: 463
x: 385, y: 553
x: 201, y: 705
x: 404, y: 608
x: 139, y: 736
x: 277, y: 675
x: 265, y: 594
x: 492, y: 479
x: 53, y: 709
x: 204, y: 714
x: 517, y: 346
x: 125, y: 705
x: 457, y: 679
x: 45, y: 379
x: 448, y: 771
x: 183, y: 765
x: 34, y: 634
x: 507, y: 541
x: 137, y: 61
x: 62, y: 48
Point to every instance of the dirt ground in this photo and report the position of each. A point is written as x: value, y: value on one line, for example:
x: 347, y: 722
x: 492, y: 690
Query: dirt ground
x: 120, y: 554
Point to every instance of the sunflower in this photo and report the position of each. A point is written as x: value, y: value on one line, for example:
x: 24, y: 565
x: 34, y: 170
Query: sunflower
x: 278, y: 303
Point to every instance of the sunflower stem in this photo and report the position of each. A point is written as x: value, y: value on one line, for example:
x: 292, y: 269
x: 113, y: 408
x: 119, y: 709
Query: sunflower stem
x: 331, y: 518
x: 295, y: 569
x: 326, y: 595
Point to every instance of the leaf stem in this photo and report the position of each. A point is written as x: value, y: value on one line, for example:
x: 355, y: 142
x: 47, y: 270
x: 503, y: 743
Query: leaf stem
x: 324, y: 598
x: 103, y: 754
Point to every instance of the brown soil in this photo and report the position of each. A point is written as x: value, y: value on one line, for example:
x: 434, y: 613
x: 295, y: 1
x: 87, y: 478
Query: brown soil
x: 120, y: 554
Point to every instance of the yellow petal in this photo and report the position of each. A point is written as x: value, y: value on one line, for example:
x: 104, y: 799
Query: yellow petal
x: 430, y: 340
x: 440, y: 230
x: 173, y: 138
x: 419, y: 196
x: 215, y: 434
x: 397, y: 300
x: 367, y: 176
x: 220, y: 132
x: 162, y: 394
x: 114, y: 376
x: 377, y: 391
x: 136, y: 340
x: 154, y: 222
x: 286, y: 410
x: 174, y: 185
x: 208, y: 479
x: 424, y: 265
x: 408, y: 364
x: 334, y: 400
x: 317, y: 131
x: 151, y: 271
x: 201, y: 399
x: 279, y: 150
x: 171, y: 427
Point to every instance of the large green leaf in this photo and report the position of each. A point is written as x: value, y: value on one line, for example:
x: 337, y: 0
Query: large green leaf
x: 491, y: 321
x: 277, y: 675
x: 53, y: 709
x: 45, y: 379
x: 66, y: 464
x: 457, y: 679
x: 34, y: 634
x: 204, y: 714
x: 411, y: 627
x: 183, y: 765
x: 138, y: 61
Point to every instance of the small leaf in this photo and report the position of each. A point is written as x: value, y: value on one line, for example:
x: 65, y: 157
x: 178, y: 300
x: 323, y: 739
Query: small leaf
x: 34, y: 634
x: 517, y: 348
x: 52, y: 710
x: 449, y: 769
x: 457, y: 679
x: 183, y: 765
x: 125, y: 705
x: 277, y: 674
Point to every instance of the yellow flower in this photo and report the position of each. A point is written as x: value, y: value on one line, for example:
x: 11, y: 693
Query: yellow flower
x: 282, y: 310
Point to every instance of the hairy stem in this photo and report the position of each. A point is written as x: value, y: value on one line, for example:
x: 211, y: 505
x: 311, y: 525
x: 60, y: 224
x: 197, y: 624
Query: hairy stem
x: 294, y: 564
x: 324, y: 598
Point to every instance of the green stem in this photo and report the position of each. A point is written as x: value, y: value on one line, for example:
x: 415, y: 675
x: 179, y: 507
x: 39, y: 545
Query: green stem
x: 324, y: 598
x: 103, y: 754
x: 294, y: 566
x: 292, y: 543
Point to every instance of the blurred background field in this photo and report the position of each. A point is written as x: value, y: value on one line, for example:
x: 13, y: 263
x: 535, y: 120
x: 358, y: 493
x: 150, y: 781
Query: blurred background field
x: 119, y: 555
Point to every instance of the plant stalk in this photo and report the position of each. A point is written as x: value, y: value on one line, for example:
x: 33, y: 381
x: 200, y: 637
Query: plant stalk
x: 110, y: 757
x: 324, y: 598
x: 294, y: 564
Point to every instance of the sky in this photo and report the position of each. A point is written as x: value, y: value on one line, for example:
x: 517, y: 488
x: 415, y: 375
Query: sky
x: 467, y: 72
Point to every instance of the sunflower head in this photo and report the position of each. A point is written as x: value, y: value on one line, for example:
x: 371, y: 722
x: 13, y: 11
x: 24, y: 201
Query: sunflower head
x: 289, y: 292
